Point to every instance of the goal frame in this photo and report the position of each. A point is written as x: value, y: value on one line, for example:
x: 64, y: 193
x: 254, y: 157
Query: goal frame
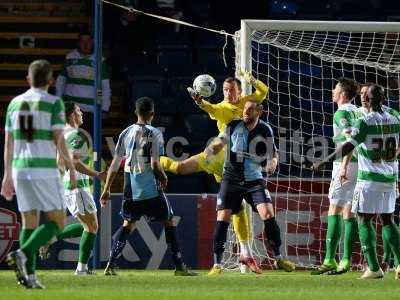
x: 243, y: 41
x: 247, y: 26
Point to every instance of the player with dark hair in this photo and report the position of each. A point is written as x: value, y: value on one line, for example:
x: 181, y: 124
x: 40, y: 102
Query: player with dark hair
x: 344, y: 174
x: 224, y: 112
x: 79, y: 202
x: 251, y: 149
x: 34, y: 133
x: 142, y: 144
x: 376, y: 137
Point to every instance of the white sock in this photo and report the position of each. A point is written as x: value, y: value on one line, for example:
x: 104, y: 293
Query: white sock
x: 81, y: 267
x: 217, y: 265
x: 245, y: 249
x: 32, y: 276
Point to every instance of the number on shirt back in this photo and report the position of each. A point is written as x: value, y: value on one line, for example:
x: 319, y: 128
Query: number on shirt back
x: 384, y: 148
x: 139, y: 155
x: 26, y: 122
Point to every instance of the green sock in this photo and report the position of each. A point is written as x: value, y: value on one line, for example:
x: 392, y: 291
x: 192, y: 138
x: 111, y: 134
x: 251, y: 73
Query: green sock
x: 39, y: 237
x: 332, y: 238
x: 368, y: 244
x: 391, y: 236
x: 350, y: 233
x: 70, y: 231
x: 23, y: 237
x: 86, y: 246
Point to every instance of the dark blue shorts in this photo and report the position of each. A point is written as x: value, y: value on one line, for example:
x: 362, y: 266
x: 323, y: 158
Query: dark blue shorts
x: 154, y: 209
x: 231, y: 194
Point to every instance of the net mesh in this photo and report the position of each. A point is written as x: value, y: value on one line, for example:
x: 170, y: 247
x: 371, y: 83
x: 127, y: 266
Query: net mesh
x: 301, y: 69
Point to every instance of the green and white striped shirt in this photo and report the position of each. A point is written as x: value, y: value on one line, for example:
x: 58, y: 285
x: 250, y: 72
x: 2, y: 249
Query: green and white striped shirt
x: 31, y: 119
x: 78, y: 144
x: 343, y: 121
x: 76, y: 81
x: 377, y: 138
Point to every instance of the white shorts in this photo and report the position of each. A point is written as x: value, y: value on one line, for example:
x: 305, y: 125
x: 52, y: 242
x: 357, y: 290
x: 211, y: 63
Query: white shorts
x: 80, y: 201
x: 39, y: 194
x: 373, y: 202
x: 342, y: 194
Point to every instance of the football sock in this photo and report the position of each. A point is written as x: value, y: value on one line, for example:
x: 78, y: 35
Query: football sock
x: 368, y: 244
x: 332, y: 238
x: 39, y: 237
x: 82, y: 267
x: 85, y: 246
x: 23, y: 237
x: 172, y: 242
x: 245, y: 249
x: 70, y: 231
x: 391, y: 236
x: 273, y: 233
x: 221, y: 230
x: 169, y: 164
x: 119, y: 243
x: 350, y: 234
x: 240, y: 224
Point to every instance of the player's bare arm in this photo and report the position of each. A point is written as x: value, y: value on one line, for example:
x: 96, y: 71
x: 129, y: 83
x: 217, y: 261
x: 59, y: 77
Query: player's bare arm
x: 340, y: 152
x: 85, y: 169
x: 111, y: 173
x: 159, y: 172
x: 272, y: 164
x: 7, y: 187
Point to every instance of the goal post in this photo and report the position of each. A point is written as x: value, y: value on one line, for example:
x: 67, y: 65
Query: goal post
x: 301, y: 61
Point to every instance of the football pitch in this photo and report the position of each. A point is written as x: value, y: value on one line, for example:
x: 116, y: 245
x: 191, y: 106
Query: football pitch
x: 158, y: 285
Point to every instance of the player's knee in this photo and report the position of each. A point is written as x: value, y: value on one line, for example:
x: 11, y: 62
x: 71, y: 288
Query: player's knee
x: 224, y: 215
x: 93, y: 226
x: 364, y: 218
x: 129, y: 225
x: 170, y: 223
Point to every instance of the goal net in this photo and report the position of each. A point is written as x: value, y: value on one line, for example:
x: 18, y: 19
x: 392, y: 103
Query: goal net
x: 301, y: 62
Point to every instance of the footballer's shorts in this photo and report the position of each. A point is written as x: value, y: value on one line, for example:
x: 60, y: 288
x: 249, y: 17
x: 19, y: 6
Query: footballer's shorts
x: 154, y: 209
x: 213, y: 164
x: 231, y: 195
x: 80, y: 201
x: 370, y: 201
x: 342, y: 194
x: 39, y: 194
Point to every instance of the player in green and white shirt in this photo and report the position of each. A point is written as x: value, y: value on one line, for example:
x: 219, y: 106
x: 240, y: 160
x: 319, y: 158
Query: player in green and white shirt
x: 34, y: 133
x: 365, y: 106
x: 79, y: 201
x: 76, y: 80
x: 341, y: 193
x: 377, y: 138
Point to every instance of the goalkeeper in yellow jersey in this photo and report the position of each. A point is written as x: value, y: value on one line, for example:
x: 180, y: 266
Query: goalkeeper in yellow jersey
x: 224, y: 112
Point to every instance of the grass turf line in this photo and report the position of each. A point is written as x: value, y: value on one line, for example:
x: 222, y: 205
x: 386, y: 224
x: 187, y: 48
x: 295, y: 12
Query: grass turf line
x: 160, y: 285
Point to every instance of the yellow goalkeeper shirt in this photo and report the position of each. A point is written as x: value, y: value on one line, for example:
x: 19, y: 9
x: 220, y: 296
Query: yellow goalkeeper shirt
x: 224, y: 112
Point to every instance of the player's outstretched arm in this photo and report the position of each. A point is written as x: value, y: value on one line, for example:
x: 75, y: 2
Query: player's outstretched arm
x: 261, y: 89
x: 111, y: 173
x: 7, y: 186
x: 85, y: 169
x: 340, y: 152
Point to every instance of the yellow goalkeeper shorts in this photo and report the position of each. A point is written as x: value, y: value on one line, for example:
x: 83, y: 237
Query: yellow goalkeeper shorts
x: 213, y: 164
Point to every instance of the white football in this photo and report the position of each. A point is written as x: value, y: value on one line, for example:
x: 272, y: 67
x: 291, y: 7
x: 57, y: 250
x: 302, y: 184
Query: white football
x: 204, y: 85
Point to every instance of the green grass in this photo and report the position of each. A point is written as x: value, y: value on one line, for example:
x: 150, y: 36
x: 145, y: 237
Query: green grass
x: 158, y: 285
